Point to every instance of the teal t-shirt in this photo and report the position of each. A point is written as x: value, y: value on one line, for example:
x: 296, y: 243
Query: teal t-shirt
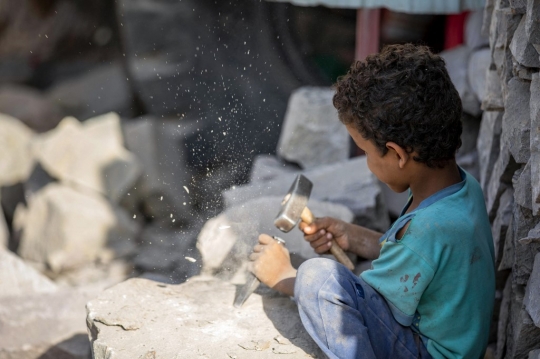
x: 439, y: 278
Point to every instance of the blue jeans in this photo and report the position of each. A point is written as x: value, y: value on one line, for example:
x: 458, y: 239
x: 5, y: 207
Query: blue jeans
x: 349, y: 319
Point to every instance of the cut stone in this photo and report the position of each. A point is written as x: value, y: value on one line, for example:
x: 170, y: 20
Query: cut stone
x: 523, y: 222
x: 312, y: 134
x: 479, y: 63
x: 16, y: 156
x: 19, y: 279
x: 29, y: 106
x: 44, y: 326
x: 65, y: 229
x: 226, y: 240
x: 523, y: 336
x: 488, y: 144
x: 349, y: 183
x: 522, y: 186
x: 505, y: 25
x: 518, y: 6
x: 144, y: 319
x: 90, y: 155
x: 516, y: 123
x: 501, y: 178
x: 522, y: 49
x: 532, y: 293
x: 501, y: 223
x: 532, y: 24
x: 493, y: 100
x: 457, y: 60
x: 474, y: 37
x: 535, y: 143
x: 102, y: 90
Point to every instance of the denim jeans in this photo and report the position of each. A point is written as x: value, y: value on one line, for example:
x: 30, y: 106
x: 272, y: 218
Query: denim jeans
x: 349, y: 319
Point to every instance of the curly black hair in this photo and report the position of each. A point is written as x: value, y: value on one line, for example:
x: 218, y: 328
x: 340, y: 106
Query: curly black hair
x: 404, y: 95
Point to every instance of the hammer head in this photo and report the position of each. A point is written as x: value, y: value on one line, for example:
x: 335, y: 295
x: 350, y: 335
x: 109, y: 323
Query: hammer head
x: 293, y: 204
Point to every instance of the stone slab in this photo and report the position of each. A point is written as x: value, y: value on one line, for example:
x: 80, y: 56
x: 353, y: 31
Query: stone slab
x: 532, y: 293
x: 18, y: 278
x: 312, y: 134
x: 144, y: 319
x: 488, y: 144
x: 516, y: 123
x: 522, y: 49
x: 44, y: 326
x: 535, y: 143
x: 16, y: 159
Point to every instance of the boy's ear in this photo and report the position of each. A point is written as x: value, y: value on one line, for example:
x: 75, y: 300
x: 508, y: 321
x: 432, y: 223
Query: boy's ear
x: 401, y: 155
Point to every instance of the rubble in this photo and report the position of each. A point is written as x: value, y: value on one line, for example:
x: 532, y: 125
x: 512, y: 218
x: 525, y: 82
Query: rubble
x: 140, y: 318
x: 15, y: 158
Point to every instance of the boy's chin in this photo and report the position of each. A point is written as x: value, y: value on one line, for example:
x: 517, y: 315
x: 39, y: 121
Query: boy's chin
x: 397, y: 188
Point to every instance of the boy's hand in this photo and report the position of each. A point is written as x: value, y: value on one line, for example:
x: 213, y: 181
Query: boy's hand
x: 320, y: 233
x: 271, y: 264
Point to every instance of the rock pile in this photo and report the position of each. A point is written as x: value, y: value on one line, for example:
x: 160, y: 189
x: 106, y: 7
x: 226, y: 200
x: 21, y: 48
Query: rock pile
x: 509, y: 152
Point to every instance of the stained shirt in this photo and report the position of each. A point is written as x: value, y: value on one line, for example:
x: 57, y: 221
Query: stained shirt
x: 439, y: 278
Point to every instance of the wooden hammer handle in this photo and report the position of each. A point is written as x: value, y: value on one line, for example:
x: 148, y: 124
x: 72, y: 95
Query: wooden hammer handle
x: 336, y: 250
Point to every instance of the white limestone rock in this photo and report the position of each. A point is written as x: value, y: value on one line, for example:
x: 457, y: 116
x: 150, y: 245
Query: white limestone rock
x: 89, y: 155
x: 312, y: 134
x: 44, y: 326
x: 17, y: 278
x: 140, y: 318
x: 16, y: 156
x: 64, y: 228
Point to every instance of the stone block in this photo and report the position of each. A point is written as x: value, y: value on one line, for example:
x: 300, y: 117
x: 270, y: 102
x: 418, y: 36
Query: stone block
x: 312, y: 134
x: 524, y: 253
x: 493, y: 99
x: 501, y: 222
x: 165, y: 185
x: 66, y: 229
x: 474, y: 37
x: 479, y: 62
x: 16, y: 156
x: 535, y: 354
x: 504, y: 317
x: 505, y: 24
x: 44, y: 326
x: 226, y: 240
x: 501, y: 178
x: 89, y: 155
x: 102, y: 90
x: 457, y: 60
x: 18, y: 278
x: 522, y: 186
x: 535, y: 143
x: 29, y: 106
x: 349, y: 183
x: 523, y: 336
x: 267, y: 167
x: 532, y: 292
x: 143, y: 319
x: 532, y: 22
x: 522, y: 49
x: 516, y: 123
x: 518, y: 6
x: 488, y: 144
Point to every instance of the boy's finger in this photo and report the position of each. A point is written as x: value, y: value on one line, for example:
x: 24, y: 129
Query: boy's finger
x: 324, y: 248
x: 313, y: 237
x: 254, y: 256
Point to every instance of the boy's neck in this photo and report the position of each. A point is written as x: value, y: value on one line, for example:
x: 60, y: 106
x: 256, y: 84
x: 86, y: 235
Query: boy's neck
x: 428, y: 181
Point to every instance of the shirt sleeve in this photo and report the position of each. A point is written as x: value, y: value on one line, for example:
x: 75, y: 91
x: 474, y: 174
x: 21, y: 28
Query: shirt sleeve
x: 401, y: 276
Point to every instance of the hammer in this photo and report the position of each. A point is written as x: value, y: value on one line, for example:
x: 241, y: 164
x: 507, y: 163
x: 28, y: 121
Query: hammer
x: 294, y: 207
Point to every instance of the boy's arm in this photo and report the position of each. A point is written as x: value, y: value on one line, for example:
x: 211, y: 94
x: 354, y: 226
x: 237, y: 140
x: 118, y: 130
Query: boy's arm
x: 350, y: 237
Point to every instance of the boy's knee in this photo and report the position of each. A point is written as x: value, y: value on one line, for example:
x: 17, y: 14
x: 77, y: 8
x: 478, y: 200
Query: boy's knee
x: 311, y: 276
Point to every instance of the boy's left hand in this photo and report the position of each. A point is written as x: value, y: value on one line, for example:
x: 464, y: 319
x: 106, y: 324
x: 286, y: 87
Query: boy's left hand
x: 271, y: 263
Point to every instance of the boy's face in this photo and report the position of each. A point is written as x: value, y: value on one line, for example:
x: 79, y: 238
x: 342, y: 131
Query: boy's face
x: 384, y: 167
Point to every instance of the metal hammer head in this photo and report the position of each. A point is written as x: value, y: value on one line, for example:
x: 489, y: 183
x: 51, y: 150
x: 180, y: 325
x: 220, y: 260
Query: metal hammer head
x: 293, y: 204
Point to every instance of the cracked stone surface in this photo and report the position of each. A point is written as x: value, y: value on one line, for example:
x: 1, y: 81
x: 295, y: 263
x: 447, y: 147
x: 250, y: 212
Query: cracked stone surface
x: 140, y: 318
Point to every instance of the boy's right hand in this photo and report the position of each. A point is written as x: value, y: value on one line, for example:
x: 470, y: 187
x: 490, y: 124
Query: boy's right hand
x: 322, y: 231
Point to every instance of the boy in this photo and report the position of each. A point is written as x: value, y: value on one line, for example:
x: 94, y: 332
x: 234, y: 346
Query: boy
x: 430, y: 291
